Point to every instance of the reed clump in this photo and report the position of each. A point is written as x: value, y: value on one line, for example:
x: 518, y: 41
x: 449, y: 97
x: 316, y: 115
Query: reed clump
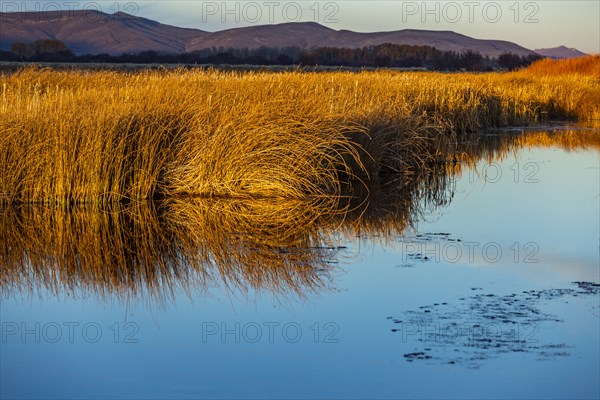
x: 97, y: 137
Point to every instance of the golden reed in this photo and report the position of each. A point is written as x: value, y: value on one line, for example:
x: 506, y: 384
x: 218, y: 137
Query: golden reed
x: 100, y: 137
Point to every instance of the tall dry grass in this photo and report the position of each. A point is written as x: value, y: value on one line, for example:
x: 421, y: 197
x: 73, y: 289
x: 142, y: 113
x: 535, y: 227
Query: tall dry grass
x: 71, y: 137
x: 587, y: 66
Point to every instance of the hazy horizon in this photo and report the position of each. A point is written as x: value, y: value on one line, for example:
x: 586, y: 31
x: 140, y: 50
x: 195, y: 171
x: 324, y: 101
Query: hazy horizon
x: 530, y: 24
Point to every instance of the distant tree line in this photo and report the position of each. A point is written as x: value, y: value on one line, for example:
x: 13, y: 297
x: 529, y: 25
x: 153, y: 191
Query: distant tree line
x: 40, y: 50
x: 384, y: 55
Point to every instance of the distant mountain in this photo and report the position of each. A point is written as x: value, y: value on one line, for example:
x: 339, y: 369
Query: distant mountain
x: 310, y: 34
x: 560, y: 52
x: 94, y: 32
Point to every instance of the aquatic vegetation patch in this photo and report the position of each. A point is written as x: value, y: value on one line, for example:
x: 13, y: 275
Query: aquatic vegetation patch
x: 477, y: 328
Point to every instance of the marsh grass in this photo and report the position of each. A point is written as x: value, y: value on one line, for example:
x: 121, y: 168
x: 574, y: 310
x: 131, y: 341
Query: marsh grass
x: 99, y: 137
x: 588, y: 66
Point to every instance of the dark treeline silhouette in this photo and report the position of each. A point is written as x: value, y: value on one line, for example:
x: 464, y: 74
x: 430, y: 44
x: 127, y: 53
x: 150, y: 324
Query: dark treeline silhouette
x: 384, y: 55
x: 40, y: 50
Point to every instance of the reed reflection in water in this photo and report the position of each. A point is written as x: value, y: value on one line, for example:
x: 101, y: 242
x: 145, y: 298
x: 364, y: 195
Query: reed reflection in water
x: 153, y: 250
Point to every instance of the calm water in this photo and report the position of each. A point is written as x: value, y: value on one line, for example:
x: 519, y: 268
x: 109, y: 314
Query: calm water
x: 478, y: 300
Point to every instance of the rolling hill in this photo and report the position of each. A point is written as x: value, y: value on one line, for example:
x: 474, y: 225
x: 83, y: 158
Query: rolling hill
x: 560, y: 52
x: 93, y: 32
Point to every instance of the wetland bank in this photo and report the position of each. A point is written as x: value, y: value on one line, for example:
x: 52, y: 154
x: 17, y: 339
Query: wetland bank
x: 185, y: 200
x: 72, y: 137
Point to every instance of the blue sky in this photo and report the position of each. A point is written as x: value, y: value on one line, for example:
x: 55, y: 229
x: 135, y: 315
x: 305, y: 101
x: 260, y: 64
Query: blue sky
x: 533, y: 24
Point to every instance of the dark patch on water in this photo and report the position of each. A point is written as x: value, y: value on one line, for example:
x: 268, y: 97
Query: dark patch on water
x: 411, y: 258
x: 484, y: 326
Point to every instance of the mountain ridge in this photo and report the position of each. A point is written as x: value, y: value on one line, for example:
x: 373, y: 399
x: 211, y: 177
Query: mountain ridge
x: 94, y: 32
x: 560, y: 52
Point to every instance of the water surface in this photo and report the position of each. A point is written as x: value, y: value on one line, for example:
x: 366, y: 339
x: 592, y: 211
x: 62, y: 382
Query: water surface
x: 479, y: 281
